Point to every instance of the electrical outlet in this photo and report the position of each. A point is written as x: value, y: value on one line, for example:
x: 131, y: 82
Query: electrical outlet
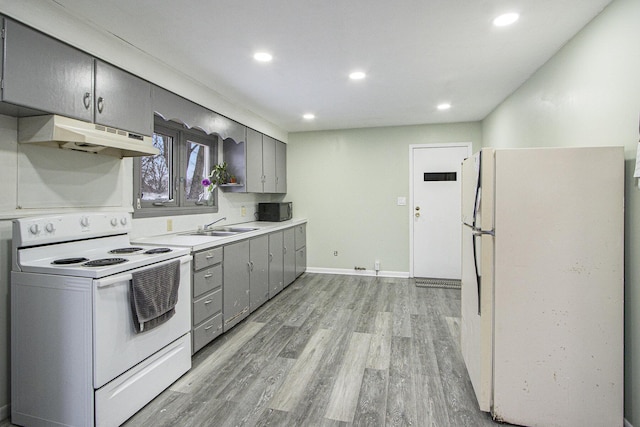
x: 335, y: 253
x: 169, y: 224
x: 243, y: 211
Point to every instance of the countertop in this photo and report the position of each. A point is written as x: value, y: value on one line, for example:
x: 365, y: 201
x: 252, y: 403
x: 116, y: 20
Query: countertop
x: 200, y: 242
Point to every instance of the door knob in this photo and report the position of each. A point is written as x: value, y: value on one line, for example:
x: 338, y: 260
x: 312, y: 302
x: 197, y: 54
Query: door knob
x: 417, y: 214
x: 417, y: 208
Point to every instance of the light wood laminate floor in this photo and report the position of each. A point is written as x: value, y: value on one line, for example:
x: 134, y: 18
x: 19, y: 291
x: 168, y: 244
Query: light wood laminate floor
x: 331, y: 350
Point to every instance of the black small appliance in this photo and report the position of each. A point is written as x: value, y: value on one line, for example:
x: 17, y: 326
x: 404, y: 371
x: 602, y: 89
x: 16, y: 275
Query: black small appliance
x: 275, y: 212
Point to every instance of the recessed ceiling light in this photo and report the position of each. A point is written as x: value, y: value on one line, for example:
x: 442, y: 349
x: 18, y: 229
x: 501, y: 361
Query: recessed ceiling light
x: 444, y: 106
x: 505, y: 19
x: 262, y: 57
x: 309, y: 116
x: 357, y: 75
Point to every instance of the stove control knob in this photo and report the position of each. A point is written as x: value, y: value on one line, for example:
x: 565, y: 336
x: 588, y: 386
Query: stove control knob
x: 114, y: 222
x: 84, y: 221
x: 123, y: 220
x: 50, y: 228
x: 34, y: 229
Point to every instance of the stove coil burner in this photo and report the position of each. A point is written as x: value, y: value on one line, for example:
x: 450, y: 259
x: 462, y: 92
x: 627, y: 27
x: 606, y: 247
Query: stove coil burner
x: 125, y: 250
x: 67, y: 261
x: 104, y: 262
x: 157, y: 251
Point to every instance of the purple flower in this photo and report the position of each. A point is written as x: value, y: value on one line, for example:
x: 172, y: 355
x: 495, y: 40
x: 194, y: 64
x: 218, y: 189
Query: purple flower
x: 206, y: 182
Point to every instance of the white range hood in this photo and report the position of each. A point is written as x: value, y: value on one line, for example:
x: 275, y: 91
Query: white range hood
x: 72, y: 134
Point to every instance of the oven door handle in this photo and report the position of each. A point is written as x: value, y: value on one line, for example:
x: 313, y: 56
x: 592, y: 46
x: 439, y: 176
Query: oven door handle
x: 108, y: 281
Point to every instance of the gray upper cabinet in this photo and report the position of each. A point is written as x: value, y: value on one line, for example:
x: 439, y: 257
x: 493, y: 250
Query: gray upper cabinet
x: 45, y: 74
x: 281, y: 167
x: 254, y: 161
x: 268, y: 164
x: 49, y: 76
x: 171, y: 106
x: 259, y: 164
x: 122, y: 100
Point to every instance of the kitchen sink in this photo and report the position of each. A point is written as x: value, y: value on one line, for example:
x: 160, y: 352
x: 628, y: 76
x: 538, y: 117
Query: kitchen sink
x: 220, y: 231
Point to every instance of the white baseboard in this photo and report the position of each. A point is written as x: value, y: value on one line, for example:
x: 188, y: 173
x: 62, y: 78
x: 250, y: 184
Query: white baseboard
x: 5, y: 412
x: 627, y: 423
x: 351, y: 272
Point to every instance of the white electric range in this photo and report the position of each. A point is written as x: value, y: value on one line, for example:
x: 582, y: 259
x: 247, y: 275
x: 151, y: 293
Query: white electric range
x: 77, y: 358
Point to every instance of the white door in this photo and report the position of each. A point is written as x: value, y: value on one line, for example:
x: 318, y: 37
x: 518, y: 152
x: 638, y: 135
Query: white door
x: 435, y: 220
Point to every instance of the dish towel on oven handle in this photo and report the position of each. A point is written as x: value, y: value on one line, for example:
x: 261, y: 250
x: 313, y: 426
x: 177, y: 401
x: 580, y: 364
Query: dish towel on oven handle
x: 153, y: 295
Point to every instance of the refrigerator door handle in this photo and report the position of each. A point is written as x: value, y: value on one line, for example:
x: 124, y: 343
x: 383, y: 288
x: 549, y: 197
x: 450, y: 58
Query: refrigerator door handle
x: 478, y: 232
x: 478, y: 278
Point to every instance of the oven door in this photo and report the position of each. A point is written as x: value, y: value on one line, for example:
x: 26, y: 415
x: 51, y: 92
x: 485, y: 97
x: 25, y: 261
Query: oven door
x: 117, y: 347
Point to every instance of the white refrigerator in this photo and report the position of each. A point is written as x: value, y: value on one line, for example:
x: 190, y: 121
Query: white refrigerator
x: 542, y: 284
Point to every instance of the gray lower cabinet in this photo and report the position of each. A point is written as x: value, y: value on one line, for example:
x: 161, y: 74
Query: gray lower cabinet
x: 259, y: 272
x: 301, y: 249
x: 289, y: 252
x: 276, y: 263
x: 206, y: 310
x: 45, y: 74
x: 231, y: 281
x: 235, y: 306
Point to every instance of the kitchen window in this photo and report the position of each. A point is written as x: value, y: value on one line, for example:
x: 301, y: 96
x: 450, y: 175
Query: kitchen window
x: 170, y: 183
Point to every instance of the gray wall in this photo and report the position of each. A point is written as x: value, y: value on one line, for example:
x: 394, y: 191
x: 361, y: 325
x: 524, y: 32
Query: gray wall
x: 347, y: 183
x: 589, y: 95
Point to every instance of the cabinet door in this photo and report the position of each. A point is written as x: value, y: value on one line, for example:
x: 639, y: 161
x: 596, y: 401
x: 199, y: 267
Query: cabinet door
x: 276, y: 263
x: 281, y: 167
x: 269, y: 164
x: 259, y: 284
x: 301, y: 261
x: 122, y: 100
x: 235, y: 290
x: 289, y: 256
x: 301, y: 236
x: 254, y: 161
x: 45, y: 74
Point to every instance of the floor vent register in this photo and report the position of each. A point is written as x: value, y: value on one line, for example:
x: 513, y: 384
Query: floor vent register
x: 438, y: 283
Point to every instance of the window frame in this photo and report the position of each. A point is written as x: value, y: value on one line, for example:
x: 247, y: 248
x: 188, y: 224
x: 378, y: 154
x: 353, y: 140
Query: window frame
x: 178, y: 164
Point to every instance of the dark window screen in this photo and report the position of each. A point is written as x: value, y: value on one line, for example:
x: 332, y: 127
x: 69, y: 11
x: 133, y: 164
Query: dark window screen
x: 440, y: 176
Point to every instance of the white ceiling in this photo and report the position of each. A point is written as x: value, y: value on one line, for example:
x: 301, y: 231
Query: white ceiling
x: 416, y: 53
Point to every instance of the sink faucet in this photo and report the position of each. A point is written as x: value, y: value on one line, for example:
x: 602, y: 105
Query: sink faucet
x: 211, y: 223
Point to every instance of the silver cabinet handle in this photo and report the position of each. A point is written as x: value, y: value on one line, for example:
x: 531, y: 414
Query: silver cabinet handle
x: 208, y: 327
x: 100, y: 104
x: 270, y: 257
x: 206, y: 276
x: 207, y: 302
x: 209, y: 256
x: 284, y: 250
x: 86, y: 100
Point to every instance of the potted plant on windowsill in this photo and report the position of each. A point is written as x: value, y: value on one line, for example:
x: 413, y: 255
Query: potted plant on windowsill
x: 219, y: 175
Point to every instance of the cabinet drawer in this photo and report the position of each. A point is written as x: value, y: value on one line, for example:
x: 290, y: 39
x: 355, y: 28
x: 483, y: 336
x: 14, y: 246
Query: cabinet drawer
x: 207, y: 280
x: 206, y: 258
x: 205, y: 333
x: 207, y: 306
x: 301, y: 236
